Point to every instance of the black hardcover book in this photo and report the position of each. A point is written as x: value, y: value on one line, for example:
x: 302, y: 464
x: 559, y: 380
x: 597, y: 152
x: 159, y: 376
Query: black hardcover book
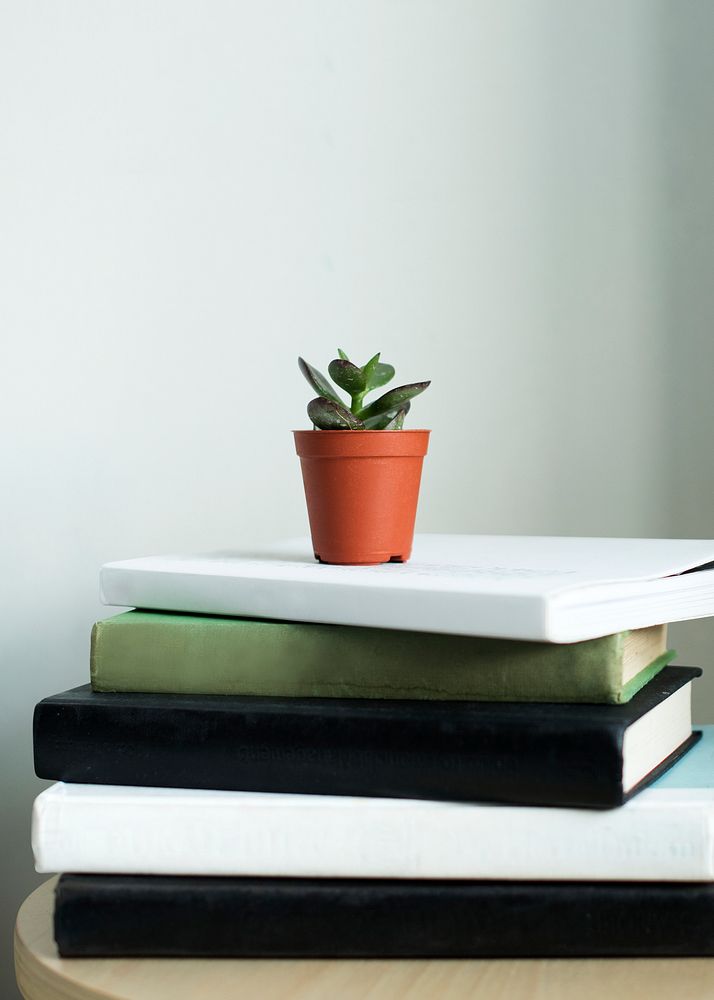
x: 560, y: 755
x: 145, y: 915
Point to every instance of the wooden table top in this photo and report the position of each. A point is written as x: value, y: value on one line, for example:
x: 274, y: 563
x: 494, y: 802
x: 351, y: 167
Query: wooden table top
x: 41, y: 975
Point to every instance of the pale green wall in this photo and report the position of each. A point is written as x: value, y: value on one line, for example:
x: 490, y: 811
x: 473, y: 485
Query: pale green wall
x: 514, y: 199
x: 686, y: 238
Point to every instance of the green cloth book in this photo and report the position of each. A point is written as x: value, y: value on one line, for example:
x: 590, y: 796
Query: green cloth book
x: 199, y: 654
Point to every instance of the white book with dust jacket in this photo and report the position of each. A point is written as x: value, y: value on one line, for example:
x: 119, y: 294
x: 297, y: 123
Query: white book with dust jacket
x: 502, y: 586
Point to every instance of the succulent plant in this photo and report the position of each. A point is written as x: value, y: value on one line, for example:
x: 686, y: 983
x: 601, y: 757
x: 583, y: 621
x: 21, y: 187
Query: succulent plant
x: 329, y: 413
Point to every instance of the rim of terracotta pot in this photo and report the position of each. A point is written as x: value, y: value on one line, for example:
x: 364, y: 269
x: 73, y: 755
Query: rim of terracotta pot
x: 362, y: 443
x: 405, y: 430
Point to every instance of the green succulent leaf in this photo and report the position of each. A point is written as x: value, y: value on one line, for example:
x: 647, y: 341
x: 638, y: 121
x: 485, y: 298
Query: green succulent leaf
x: 377, y: 374
x: 397, y: 421
x: 348, y: 376
x: 392, y: 400
x: 331, y: 416
x: 368, y: 369
x: 318, y: 381
x: 381, y: 423
x: 329, y: 412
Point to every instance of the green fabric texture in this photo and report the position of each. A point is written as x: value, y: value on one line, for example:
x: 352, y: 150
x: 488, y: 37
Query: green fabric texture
x: 195, y: 654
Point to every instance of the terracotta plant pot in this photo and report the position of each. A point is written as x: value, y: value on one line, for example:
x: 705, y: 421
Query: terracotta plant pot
x: 361, y: 489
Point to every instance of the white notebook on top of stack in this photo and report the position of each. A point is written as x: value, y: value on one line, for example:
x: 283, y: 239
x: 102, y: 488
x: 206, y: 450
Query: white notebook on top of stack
x: 505, y: 586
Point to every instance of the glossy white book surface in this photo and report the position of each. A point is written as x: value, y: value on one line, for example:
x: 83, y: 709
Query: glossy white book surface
x: 504, y: 586
x: 666, y: 833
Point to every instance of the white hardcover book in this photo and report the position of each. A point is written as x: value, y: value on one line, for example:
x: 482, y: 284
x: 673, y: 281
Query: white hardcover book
x: 504, y: 586
x: 666, y: 833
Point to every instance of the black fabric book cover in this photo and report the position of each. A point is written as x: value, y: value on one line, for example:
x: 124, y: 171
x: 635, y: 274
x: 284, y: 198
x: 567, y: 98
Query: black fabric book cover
x: 144, y: 915
x: 531, y: 754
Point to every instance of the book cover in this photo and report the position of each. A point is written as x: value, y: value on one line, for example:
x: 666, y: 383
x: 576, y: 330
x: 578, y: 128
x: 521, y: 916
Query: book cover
x: 505, y: 587
x: 141, y: 916
x: 664, y: 834
x: 540, y: 754
x: 201, y: 654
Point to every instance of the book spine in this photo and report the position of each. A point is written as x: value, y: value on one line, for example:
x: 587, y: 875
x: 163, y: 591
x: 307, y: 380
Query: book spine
x: 235, y: 834
x: 104, y: 915
x: 189, y: 654
x: 448, y: 750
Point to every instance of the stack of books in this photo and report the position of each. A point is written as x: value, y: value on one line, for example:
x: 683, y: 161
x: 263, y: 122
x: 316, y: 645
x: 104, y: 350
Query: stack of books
x: 483, y: 752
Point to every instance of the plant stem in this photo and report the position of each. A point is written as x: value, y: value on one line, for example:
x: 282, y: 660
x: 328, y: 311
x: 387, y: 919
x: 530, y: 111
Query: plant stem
x: 357, y: 402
